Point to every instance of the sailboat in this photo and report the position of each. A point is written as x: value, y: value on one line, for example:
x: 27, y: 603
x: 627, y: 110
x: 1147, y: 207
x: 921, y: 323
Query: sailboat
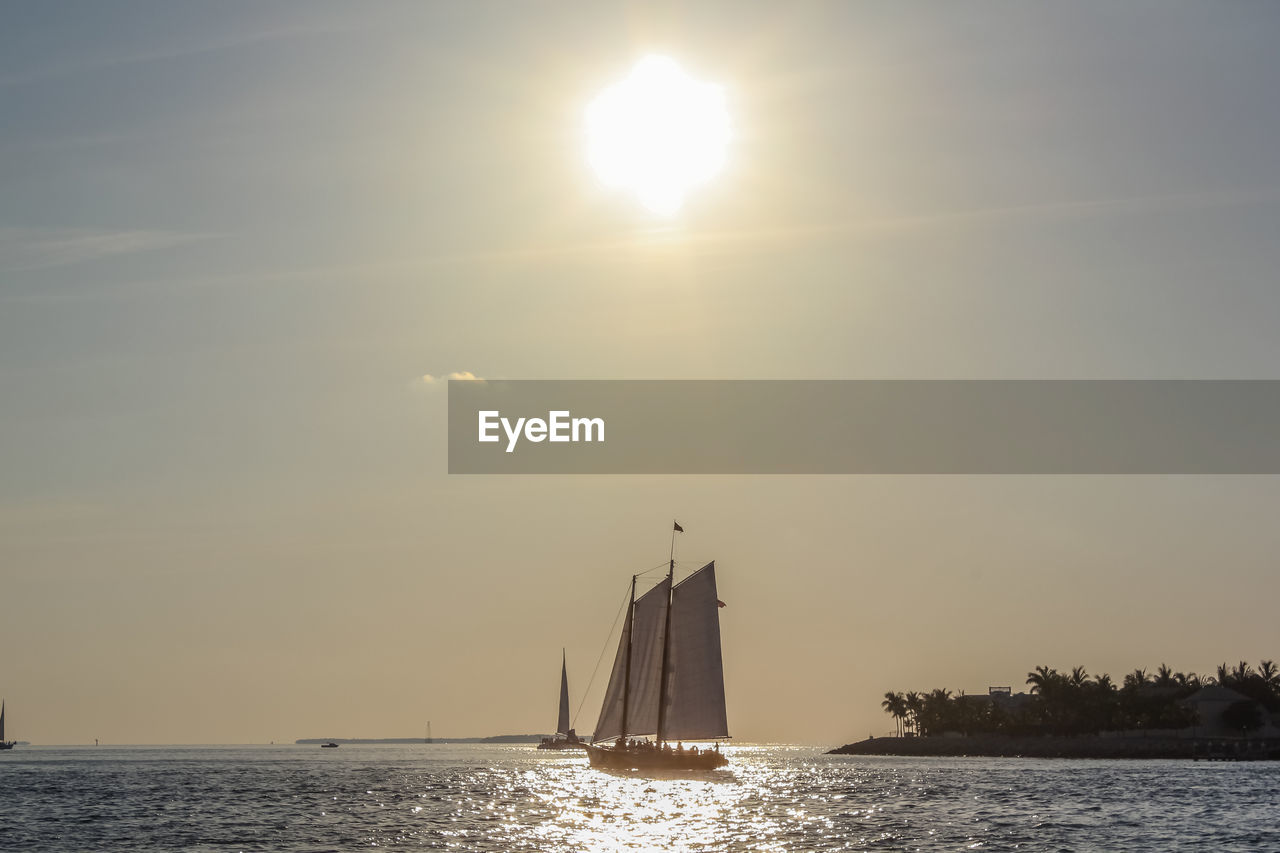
x: 565, y: 737
x: 4, y: 744
x: 667, y: 680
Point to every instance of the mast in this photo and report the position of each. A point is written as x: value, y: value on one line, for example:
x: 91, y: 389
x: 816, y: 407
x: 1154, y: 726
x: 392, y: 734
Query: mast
x: 666, y: 645
x: 626, y: 680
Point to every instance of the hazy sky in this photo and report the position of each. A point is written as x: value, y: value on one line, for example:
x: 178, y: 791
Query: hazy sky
x: 234, y: 237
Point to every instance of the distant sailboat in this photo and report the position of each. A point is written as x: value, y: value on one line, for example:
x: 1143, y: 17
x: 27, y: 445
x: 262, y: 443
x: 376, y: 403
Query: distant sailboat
x: 565, y: 737
x: 4, y: 744
x: 429, y: 739
x: 667, y: 680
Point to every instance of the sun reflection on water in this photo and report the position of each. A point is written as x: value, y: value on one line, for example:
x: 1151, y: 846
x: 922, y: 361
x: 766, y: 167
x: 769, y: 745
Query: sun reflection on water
x: 585, y: 809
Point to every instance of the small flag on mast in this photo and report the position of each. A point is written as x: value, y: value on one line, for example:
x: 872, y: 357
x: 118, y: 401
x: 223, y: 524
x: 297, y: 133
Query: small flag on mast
x: 678, y: 528
x: 720, y: 603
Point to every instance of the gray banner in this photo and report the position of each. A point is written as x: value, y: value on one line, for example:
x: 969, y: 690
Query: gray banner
x: 864, y: 427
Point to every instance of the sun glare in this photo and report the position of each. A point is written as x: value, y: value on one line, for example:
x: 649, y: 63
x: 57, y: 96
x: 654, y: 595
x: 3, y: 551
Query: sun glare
x: 657, y: 133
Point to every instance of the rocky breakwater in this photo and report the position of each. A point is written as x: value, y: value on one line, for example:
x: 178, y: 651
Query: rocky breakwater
x: 1084, y: 746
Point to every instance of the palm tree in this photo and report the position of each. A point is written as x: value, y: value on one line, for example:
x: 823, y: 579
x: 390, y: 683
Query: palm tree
x: 1042, y: 677
x: 936, y: 714
x: 1269, y: 673
x: 1136, y: 679
x: 1073, y: 703
x: 1101, y: 703
x: 1224, y: 675
x: 914, y: 703
x: 895, y: 704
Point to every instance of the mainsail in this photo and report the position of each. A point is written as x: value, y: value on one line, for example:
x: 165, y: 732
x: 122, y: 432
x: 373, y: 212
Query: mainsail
x: 641, y: 642
x: 676, y: 629
x: 695, y: 672
x: 562, y: 727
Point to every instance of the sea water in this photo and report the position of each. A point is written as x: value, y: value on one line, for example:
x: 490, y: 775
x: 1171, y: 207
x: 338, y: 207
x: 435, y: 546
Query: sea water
x: 498, y: 798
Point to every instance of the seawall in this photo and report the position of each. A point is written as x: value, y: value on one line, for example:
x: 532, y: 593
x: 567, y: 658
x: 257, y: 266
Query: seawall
x: 1085, y: 746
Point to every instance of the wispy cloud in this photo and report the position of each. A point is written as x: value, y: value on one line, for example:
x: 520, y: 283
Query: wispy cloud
x: 791, y: 235
x: 48, y: 248
x: 179, y: 51
x: 36, y: 248
x: 428, y: 380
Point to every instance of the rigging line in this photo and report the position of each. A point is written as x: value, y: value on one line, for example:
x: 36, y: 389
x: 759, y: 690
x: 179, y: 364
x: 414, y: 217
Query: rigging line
x: 623, y: 606
x: 661, y: 565
x: 595, y: 670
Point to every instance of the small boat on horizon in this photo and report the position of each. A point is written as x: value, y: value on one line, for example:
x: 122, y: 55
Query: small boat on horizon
x: 4, y: 744
x: 565, y: 737
x: 667, y: 679
x: 329, y: 745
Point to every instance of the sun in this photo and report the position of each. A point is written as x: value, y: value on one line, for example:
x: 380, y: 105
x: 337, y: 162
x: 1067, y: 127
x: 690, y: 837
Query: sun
x: 658, y: 133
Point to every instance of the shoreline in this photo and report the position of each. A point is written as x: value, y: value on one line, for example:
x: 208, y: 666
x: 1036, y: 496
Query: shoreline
x: 1081, y: 746
x: 496, y: 739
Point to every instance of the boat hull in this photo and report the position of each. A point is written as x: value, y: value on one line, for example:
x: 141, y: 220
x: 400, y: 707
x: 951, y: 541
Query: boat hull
x: 562, y: 744
x: 650, y: 758
x: 8, y: 744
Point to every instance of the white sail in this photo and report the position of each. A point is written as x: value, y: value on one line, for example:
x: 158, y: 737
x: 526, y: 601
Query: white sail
x: 609, y: 725
x: 695, y: 672
x: 562, y: 727
x: 643, y: 630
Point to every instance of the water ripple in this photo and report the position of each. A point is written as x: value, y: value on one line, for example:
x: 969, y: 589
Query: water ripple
x: 486, y: 798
